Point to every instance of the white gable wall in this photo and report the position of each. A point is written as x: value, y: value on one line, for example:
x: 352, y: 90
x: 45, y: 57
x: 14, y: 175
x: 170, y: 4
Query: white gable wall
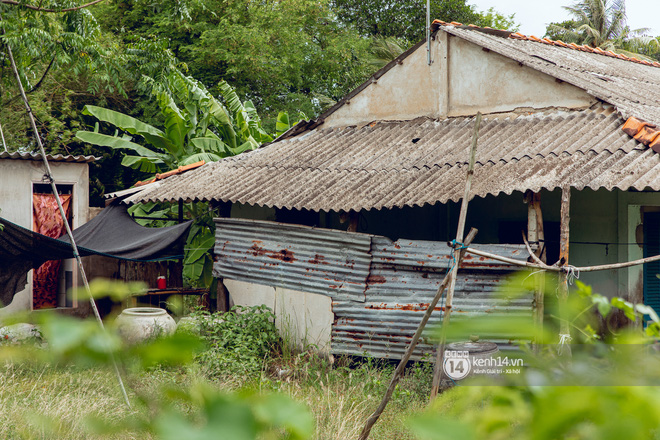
x: 463, y: 79
x: 485, y: 81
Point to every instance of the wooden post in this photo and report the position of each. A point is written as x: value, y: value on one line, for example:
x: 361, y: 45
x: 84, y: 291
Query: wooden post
x: 353, y: 218
x: 536, y: 236
x: 564, y: 329
x: 222, y: 300
x: 439, y: 359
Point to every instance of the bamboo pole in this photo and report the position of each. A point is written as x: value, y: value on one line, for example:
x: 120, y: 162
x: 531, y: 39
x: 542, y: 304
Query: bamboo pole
x: 559, y: 269
x: 513, y: 260
x: 373, y: 418
x: 4, y: 143
x: 49, y: 175
x: 437, y: 370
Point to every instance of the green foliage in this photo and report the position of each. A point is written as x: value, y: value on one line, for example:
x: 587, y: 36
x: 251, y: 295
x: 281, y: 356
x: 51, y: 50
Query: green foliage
x: 197, y: 127
x: 240, y: 341
x: 603, y: 24
x: 555, y: 397
x: 496, y: 20
x: 196, y: 411
x: 406, y: 20
x: 279, y: 55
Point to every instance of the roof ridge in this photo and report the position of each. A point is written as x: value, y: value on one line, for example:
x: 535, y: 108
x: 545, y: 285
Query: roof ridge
x: 573, y: 46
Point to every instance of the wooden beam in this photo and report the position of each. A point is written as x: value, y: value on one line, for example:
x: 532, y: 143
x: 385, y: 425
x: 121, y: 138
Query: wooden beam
x: 353, y: 219
x: 534, y: 232
x: 222, y: 299
x: 565, y: 219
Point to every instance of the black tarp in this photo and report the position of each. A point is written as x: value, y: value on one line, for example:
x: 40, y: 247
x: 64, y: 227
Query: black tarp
x: 112, y: 233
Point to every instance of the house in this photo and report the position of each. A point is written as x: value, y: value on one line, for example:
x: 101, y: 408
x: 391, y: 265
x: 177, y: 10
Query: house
x: 388, y: 160
x: 25, y: 200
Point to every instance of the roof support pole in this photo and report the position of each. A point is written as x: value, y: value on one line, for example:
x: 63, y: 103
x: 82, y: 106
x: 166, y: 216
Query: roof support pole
x: 49, y: 175
x: 536, y: 236
x: 222, y: 299
x: 428, y: 32
x: 2, y: 136
x: 565, y: 218
x: 440, y: 354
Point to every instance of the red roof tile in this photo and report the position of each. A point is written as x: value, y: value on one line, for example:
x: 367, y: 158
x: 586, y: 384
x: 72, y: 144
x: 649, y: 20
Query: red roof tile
x: 573, y: 46
x: 644, y: 132
x: 180, y: 170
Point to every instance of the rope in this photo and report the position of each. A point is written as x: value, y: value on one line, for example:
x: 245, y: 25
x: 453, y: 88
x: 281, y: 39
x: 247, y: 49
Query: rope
x: 563, y: 340
x: 456, y: 246
x: 573, y: 273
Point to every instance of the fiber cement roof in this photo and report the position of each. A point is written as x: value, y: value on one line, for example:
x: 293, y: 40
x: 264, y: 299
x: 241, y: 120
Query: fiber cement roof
x: 395, y: 164
x: 50, y: 157
x: 408, y: 163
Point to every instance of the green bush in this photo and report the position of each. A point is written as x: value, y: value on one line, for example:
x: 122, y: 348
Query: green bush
x: 239, y: 341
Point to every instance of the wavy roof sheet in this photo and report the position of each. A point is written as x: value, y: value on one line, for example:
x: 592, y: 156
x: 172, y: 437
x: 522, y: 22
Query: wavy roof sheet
x: 50, y: 157
x: 395, y: 164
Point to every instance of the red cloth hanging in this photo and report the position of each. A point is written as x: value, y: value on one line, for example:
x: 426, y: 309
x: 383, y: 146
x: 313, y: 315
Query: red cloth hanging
x: 48, y: 221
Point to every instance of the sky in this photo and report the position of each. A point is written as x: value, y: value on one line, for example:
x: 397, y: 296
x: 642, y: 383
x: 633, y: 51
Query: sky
x: 534, y: 15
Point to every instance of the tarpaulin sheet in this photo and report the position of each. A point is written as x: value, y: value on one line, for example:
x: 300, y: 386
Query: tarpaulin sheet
x: 112, y: 233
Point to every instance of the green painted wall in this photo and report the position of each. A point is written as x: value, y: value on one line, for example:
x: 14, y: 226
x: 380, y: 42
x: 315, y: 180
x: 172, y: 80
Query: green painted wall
x: 602, y: 227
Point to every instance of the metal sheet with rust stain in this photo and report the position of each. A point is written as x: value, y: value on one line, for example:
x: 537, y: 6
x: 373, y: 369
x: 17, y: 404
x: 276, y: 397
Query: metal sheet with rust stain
x: 379, y: 288
x: 313, y: 260
x: 409, y: 273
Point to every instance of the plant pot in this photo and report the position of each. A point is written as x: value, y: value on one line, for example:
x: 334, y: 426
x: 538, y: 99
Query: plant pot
x: 140, y: 324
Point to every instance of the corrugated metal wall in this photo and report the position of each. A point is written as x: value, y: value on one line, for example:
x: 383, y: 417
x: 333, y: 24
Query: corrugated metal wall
x: 380, y: 289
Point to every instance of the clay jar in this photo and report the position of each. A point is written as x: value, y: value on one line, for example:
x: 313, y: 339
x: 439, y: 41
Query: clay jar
x: 140, y: 324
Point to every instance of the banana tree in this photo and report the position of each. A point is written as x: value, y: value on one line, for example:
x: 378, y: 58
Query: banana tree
x: 197, y: 126
x: 201, y: 129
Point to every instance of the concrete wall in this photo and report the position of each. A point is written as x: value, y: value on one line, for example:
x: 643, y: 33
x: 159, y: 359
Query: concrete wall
x: 304, y: 319
x: 463, y: 79
x: 16, y: 180
x: 488, y: 82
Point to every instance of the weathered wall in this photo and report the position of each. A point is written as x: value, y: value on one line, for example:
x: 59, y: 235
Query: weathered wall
x: 17, y: 177
x: 631, y: 206
x: 303, y: 319
x: 485, y: 81
x: 407, y: 91
x: 463, y: 79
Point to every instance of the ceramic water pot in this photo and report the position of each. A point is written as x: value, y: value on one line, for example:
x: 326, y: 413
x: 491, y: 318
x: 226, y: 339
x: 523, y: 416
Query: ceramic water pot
x: 139, y: 324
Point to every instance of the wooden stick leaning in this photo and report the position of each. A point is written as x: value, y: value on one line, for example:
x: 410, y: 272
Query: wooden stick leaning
x: 62, y: 213
x: 413, y: 343
x: 437, y: 370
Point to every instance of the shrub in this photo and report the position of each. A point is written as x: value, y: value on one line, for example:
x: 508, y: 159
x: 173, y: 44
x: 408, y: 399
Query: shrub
x: 239, y: 341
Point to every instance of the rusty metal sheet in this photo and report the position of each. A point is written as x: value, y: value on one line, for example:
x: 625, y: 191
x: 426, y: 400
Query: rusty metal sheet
x: 380, y: 288
x: 403, y: 280
x: 315, y: 260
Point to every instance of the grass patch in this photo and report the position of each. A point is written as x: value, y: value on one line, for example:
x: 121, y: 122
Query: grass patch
x: 243, y: 356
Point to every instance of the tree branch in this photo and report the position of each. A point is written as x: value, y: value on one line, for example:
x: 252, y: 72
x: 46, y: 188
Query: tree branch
x: 40, y: 9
